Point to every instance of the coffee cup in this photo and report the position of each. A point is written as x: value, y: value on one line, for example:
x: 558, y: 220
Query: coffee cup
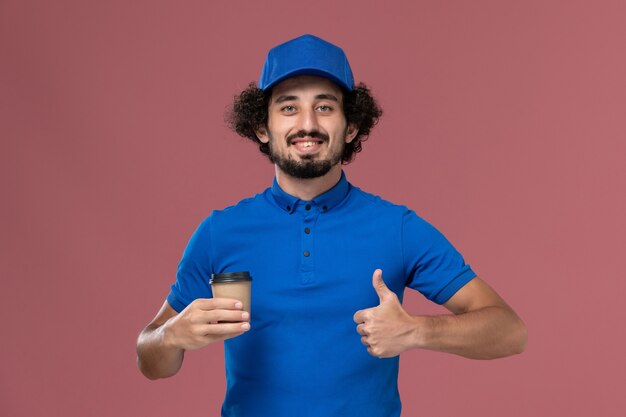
x: 234, y: 285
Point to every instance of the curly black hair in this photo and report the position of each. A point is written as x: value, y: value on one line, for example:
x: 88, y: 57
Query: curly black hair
x: 250, y: 111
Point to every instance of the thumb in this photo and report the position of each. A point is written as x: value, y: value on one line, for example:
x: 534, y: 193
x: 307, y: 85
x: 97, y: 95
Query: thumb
x: 379, y: 285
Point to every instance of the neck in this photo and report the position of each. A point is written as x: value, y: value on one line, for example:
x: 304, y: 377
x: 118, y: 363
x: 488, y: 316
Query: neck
x: 308, y: 189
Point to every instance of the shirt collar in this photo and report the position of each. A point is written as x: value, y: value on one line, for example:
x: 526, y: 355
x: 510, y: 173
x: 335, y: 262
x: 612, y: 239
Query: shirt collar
x: 326, y: 201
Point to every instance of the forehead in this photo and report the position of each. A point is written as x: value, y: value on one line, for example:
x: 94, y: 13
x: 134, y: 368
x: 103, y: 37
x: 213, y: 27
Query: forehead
x: 304, y: 85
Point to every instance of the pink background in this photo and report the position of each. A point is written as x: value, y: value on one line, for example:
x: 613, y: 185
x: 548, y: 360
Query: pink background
x: 504, y: 126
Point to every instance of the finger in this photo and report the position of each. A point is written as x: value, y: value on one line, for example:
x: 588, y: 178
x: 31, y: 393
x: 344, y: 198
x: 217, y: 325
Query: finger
x: 360, y: 329
x: 215, y: 303
x: 223, y: 316
x: 371, y: 351
x: 379, y: 285
x: 357, y: 317
x: 364, y: 341
x: 226, y: 329
x: 360, y: 316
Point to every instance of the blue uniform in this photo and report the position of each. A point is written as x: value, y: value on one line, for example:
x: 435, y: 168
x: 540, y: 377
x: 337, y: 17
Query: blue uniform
x: 312, y: 263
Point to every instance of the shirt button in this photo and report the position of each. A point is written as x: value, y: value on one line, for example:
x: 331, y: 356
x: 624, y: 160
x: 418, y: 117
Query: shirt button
x: 325, y: 208
x: 307, y: 230
x: 307, y: 253
x: 288, y: 208
x: 307, y: 207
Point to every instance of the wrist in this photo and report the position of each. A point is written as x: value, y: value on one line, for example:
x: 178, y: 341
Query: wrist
x: 422, y: 331
x: 168, y: 340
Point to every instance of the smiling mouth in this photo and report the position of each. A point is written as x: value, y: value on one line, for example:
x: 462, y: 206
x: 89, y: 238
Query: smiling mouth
x: 304, y: 143
x: 307, y: 146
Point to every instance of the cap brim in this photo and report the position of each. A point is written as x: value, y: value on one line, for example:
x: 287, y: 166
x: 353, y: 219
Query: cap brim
x: 308, y: 71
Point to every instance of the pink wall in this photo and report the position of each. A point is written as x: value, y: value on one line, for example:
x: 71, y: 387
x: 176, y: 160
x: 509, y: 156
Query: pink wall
x: 505, y: 126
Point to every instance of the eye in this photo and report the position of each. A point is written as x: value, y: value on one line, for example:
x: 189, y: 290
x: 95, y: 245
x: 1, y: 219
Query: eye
x: 288, y: 109
x: 324, y: 108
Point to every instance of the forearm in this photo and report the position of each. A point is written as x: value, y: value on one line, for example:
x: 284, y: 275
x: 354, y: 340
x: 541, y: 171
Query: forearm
x: 487, y: 333
x: 155, y: 358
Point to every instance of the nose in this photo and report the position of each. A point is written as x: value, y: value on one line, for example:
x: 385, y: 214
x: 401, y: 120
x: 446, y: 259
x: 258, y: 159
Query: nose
x: 308, y: 120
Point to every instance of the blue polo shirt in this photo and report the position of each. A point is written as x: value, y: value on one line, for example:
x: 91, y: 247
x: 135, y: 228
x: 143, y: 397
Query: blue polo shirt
x: 312, y: 263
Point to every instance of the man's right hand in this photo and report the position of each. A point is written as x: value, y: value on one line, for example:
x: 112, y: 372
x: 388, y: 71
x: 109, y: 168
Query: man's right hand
x: 161, y: 345
x: 205, y: 321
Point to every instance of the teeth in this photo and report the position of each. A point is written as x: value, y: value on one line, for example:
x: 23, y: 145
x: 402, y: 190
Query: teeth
x: 307, y: 144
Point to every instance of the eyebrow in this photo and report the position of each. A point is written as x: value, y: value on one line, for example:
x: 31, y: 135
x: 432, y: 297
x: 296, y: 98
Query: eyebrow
x: 331, y: 97
x: 282, y: 99
x: 326, y: 97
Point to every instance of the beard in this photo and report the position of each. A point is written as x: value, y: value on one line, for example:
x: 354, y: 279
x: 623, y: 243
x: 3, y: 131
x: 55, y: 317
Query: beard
x: 308, y: 167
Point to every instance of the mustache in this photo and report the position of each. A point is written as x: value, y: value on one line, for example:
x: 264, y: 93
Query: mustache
x: 312, y: 134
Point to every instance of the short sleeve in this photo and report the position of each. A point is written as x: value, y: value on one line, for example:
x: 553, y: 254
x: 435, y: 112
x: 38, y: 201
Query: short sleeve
x: 194, y: 269
x: 433, y: 266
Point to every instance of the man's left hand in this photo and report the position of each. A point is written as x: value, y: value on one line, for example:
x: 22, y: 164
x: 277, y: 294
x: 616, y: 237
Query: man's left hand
x: 387, y: 330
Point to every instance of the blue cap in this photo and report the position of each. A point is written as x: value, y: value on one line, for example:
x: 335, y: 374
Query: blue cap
x: 306, y: 55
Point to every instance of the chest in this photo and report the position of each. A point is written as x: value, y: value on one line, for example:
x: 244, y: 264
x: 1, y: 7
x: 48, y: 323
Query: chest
x: 313, y: 265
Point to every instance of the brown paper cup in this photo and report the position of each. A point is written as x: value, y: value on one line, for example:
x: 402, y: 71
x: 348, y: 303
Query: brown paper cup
x: 233, y: 285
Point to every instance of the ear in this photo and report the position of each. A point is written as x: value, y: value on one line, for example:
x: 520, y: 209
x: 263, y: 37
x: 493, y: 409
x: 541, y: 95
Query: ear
x: 351, y: 132
x: 261, y: 134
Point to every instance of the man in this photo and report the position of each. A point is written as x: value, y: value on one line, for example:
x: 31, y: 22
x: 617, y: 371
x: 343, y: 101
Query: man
x: 326, y: 328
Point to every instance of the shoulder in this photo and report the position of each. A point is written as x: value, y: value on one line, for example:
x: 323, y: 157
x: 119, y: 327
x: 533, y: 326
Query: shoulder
x: 377, y: 203
x: 382, y: 209
x: 249, y: 215
x: 256, y: 204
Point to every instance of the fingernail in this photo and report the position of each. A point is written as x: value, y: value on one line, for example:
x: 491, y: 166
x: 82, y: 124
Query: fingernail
x: 238, y: 305
x: 245, y: 326
x: 245, y: 315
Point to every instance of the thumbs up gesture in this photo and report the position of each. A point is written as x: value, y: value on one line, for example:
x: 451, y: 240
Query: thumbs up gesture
x: 387, y: 329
